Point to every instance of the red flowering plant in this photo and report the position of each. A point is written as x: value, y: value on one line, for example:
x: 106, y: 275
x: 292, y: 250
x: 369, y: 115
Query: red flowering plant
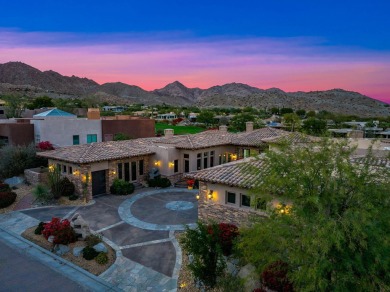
x: 45, y: 145
x: 176, y: 121
x: 61, y: 230
x: 274, y: 277
x: 226, y: 234
x: 190, y: 182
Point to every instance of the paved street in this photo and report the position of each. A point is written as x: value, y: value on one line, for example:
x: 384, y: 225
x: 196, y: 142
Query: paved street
x: 139, y: 227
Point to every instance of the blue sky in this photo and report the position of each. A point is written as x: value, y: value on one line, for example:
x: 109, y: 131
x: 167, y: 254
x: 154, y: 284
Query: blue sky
x: 351, y: 32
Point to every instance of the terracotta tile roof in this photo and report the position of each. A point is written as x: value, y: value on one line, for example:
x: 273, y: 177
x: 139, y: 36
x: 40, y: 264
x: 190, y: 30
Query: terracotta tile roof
x: 212, y: 138
x: 373, y: 161
x: 95, y: 152
x: 244, y: 173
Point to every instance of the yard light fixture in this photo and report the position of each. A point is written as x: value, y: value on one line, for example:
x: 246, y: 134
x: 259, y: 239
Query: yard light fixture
x: 210, y: 195
x: 197, y: 196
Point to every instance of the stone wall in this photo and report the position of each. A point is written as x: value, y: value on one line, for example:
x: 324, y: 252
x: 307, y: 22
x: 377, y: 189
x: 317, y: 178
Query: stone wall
x: 36, y: 176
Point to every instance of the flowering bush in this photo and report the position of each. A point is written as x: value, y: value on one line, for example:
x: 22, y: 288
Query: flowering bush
x: 190, y: 182
x: 61, y: 230
x: 226, y: 234
x: 275, y: 278
x: 45, y: 145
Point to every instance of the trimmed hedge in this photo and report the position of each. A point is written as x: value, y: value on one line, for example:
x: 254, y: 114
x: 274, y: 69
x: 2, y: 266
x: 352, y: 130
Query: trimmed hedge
x: 161, y: 182
x: 89, y: 253
x: 121, y: 187
x: 6, y: 199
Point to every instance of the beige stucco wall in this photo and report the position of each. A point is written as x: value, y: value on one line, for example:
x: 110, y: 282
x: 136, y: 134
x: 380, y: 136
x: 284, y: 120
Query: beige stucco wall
x: 60, y: 131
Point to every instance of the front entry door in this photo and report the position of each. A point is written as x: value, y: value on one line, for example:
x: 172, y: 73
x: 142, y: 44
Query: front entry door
x: 98, y: 182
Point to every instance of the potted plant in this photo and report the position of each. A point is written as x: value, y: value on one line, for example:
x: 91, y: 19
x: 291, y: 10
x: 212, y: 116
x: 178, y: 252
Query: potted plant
x: 190, y: 184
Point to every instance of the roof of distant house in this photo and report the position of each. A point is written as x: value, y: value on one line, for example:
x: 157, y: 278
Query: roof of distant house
x: 55, y: 112
x: 96, y: 152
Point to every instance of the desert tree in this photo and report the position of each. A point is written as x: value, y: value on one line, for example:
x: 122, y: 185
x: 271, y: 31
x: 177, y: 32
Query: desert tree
x: 335, y: 236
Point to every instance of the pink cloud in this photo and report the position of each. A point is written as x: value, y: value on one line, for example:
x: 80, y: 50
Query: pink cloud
x: 294, y: 64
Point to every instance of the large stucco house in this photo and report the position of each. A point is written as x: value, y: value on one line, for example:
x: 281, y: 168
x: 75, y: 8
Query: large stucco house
x: 172, y: 155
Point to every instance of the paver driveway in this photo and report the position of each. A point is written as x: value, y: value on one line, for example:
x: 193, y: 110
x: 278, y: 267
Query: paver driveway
x: 141, y: 229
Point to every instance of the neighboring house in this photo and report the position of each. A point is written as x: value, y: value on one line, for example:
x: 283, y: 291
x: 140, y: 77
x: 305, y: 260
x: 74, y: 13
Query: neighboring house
x: 169, y: 117
x: 16, y: 132
x: 115, y: 109
x: 175, y: 155
x: 385, y: 134
x: 346, y: 133
x: 64, y: 129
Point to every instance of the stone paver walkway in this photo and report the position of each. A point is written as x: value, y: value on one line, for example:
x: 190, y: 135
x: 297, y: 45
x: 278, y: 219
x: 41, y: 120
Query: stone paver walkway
x: 139, y: 227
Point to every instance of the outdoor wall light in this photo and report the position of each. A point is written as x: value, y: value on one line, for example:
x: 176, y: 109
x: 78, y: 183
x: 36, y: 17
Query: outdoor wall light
x: 171, y: 164
x: 51, y: 167
x: 210, y: 194
x: 113, y: 172
x: 157, y: 163
x: 76, y: 172
x: 234, y: 156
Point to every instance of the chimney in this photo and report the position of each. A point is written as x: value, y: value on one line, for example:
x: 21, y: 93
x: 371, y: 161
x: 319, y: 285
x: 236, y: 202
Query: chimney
x: 93, y: 114
x: 168, y: 133
x: 223, y: 128
x: 249, y: 126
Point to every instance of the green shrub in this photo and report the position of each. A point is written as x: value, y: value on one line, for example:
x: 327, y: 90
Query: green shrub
x: 15, y: 159
x: 73, y: 197
x: 41, y: 194
x: 161, y: 182
x: 202, y: 243
x: 102, y: 258
x: 4, y: 187
x: 56, y: 187
x: 67, y: 187
x: 89, y: 253
x: 39, y: 229
x: 6, y: 199
x: 121, y: 187
x: 93, y: 239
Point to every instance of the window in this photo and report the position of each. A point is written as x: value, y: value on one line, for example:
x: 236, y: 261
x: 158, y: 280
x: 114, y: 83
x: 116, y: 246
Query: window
x: 37, y: 138
x: 91, y: 138
x: 261, y: 204
x: 211, y: 158
x: 245, y: 201
x: 230, y: 198
x: 141, y: 167
x: 76, y: 140
x: 133, y: 170
x: 186, y: 163
x: 70, y: 170
x: 247, y: 153
x: 205, y: 160
x: 176, y: 166
x: 127, y: 171
x: 199, y: 161
x: 120, y: 171
x: 64, y: 168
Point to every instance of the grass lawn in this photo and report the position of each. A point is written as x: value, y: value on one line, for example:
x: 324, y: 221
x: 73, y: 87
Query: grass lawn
x: 180, y: 130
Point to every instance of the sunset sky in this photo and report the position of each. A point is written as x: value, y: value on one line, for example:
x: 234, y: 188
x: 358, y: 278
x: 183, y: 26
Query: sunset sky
x: 293, y: 45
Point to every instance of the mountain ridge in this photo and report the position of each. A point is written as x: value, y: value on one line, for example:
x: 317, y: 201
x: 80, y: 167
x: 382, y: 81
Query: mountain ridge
x: 20, y: 77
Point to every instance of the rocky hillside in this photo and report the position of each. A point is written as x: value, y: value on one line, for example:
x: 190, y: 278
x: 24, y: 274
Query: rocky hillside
x: 21, y: 78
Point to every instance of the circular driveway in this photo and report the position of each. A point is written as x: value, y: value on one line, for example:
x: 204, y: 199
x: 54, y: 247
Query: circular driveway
x: 163, y: 209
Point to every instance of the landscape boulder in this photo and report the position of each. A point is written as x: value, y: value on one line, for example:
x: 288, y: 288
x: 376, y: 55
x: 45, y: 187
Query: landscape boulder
x: 100, y: 247
x: 61, y: 249
x: 80, y: 226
